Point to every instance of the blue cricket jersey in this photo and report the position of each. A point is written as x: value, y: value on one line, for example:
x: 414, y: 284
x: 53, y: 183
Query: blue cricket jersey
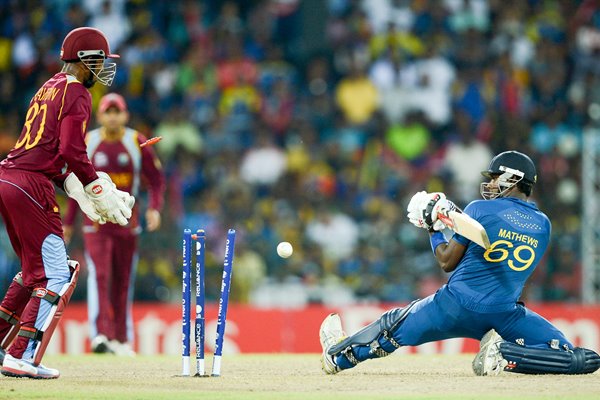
x: 492, y: 280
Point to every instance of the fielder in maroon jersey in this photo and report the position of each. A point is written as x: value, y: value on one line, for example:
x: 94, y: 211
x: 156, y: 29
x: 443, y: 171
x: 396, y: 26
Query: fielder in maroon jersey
x: 51, y: 149
x: 111, y: 249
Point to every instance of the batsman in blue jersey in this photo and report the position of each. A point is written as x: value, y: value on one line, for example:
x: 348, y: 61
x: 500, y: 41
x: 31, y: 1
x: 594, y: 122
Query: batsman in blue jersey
x: 481, y: 299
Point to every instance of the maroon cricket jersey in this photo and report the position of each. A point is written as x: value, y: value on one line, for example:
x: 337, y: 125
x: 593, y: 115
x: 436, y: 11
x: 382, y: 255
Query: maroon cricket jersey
x: 53, y: 134
x: 127, y: 164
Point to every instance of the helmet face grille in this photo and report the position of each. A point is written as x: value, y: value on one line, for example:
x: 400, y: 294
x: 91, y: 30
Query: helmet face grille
x: 501, y: 186
x: 509, y: 168
x: 103, y: 71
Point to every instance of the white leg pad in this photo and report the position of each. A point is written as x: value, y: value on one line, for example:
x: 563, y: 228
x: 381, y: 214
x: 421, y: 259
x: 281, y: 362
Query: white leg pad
x: 56, y: 312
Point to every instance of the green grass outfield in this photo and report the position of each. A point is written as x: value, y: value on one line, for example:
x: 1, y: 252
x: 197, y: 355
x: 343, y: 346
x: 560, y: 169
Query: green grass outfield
x: 286, y: 376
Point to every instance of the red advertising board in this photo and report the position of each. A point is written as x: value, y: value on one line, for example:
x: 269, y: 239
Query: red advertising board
x: 255, y: 330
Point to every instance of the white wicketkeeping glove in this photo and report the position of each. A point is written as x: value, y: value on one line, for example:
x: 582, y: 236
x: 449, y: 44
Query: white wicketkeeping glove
x: 128, y: 199
x: 107, y: 201
x: 74, y: 189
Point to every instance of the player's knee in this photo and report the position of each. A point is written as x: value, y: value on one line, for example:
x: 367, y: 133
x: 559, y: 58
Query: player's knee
x: 54, y: 257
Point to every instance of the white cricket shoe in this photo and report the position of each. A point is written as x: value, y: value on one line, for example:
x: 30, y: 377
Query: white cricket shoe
x: 100, y: 344
x: 489, y: 360
x: 25, y: 369
x: 121, y: 349
x: 331, y: 333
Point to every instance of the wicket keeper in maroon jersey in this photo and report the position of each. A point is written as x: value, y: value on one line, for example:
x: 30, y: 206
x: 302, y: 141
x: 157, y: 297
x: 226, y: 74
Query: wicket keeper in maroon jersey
x: 111, y: 250
x: 51, y: 149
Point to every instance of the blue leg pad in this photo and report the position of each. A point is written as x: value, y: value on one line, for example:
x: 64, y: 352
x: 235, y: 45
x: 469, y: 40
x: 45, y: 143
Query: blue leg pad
x: 373, y: 341
x: 528, y: 360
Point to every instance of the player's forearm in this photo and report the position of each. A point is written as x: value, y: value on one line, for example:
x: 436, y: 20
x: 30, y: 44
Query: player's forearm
x: 443, y: 259
x: 445, y: 253
x: 153, y: 174
x: 156, y: 191
x: 72, y: 149
x: 59, y: 180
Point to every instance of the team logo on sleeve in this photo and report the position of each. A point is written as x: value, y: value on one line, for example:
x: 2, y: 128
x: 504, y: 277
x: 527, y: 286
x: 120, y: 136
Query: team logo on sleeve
x: 123, y: 159
x: 100, y: 159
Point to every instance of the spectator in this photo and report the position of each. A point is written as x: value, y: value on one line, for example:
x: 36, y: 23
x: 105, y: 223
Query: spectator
x: 411, y: 139
x: 264, y: 163
x: 113, y: 22
x: 335, y: 232
x: 204, y: 75
x: 176, y: 131
x: 357, y: 97
x: 465, y: 159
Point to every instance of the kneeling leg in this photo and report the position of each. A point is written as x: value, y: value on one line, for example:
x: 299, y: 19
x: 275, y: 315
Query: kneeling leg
x: 528, y: 360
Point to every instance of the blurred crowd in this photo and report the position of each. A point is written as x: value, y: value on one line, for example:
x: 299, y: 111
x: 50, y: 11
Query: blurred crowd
x: 315, y: 121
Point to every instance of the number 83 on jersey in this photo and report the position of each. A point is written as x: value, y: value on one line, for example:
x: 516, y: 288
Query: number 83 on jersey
x: 34, y: 111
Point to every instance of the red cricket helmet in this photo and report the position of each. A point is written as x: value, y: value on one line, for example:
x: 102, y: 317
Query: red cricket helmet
x: 90, y: 46
x: 85, y: 39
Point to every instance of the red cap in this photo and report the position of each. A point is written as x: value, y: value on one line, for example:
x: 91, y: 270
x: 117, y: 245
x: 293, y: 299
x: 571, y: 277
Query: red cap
x: 84, y: 39
x: 112, y: 100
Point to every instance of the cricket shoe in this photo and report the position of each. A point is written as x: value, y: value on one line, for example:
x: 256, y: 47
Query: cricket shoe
x: 122, y: 349
x: 331, y: 333
x: 489, y: 360
x: 2, y: 354
x: 18, y: 368
x: 101, y: 345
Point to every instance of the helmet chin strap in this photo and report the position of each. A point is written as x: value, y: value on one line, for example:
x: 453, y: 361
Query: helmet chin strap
x: 89, y: 83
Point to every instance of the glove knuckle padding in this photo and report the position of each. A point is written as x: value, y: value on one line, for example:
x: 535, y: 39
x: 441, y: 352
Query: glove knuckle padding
x: 415, y: 201
x: 528, y: 360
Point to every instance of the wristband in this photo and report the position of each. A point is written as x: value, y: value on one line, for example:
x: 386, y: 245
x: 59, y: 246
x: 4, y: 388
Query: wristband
x: 436, y: 239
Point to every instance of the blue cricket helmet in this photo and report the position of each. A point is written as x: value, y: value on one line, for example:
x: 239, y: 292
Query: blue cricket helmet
x: 514, y: 160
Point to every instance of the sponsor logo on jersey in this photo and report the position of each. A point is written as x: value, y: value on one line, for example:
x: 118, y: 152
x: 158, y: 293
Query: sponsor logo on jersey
x: 123, y: 159
x: 100, y: 159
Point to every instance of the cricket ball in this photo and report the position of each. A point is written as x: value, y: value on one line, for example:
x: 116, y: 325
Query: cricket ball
x: 285, y: 249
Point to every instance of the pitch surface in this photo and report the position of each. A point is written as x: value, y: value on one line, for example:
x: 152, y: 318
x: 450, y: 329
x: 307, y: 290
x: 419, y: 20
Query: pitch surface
x: 251, y: 377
